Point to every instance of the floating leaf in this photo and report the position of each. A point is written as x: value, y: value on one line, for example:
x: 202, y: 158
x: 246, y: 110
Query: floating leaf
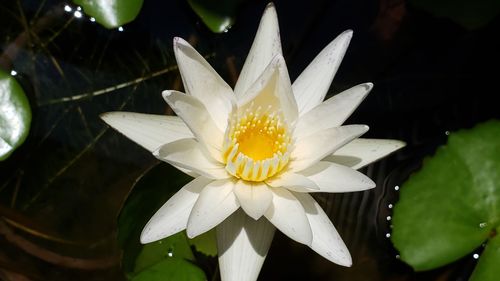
x: 452, y: 205
x: 218, y: 16
x: 175, y: 246
x: 470, y: 14
x: 15, y: 115
x: 111, y: 13
x: 487, y: 269
x: 149, y: 193
x: 171, y: 269
x: 205, y: 243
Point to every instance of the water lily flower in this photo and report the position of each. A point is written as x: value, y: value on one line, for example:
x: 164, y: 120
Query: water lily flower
x: 256, y: 152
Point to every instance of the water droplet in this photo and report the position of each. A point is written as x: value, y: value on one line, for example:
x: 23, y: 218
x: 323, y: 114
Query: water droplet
x: 92, y: 19
x: 78, y: 14
x: 475, y: 256
x: 483, y: 225
x: 79, y: 8
x: 388, y: 218
x: 398, y: 257
x: 388, y: 235
x: 390, y: 206
x: 67, y: 8
x: 396, y: 187
x: 13, y: 72
x: 170, y: 252
x: 120, y: 28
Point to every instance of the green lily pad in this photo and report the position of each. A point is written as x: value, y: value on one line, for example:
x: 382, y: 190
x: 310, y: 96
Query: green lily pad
x: 15, y: 115
x: 218, y: 15
x: 452, y: 205
x: 175, y: 246
x: 471, y: 14
x: 149, y: 193
x: 205, y: 243
x: 111, y: 13
x: 171, y: 269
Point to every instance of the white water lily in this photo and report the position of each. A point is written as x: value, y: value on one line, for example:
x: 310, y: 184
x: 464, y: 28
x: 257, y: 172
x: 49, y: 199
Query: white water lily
x: 257, y: 151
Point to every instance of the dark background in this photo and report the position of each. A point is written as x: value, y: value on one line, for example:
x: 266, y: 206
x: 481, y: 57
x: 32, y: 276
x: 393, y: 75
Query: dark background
x: 61, y: 192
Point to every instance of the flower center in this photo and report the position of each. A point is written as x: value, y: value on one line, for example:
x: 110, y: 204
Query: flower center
x: 256, y: 144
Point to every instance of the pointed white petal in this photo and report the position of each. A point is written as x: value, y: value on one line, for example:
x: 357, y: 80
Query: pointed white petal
x: 331, y: 177
x: 272, y: 89
x: 265, y: 47
x: 188, y: 154
x: 243, y: 244
x: 254, y: 197
x: 215, y: 203
x: 326, y: 240
x: 147, y: 130
x: 332, y: 112
x: 311, y: 149
x: 361, y: 152
x: 199, y: 121
x: 312, y: 85
x: 201, y: 81
x: 172, y: 217
x: 287, y: 214
x: 293, y: 182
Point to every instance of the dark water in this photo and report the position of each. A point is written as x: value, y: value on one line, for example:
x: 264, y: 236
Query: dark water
x: 62, y: 190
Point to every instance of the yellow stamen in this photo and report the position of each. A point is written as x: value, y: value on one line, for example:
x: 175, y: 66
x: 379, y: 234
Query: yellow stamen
x: 256, y: 144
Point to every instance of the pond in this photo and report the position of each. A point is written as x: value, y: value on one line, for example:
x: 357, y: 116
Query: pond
x: 63, y: 189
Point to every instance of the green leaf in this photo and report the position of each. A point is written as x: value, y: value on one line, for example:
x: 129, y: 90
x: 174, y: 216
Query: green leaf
x: 111, y: 13
x: 471, y: 14
x: 15, y: 115
x: 452, y: 205
x: 171, y: 269
x: 149, y: 193
x: 487, y: 269
x: 206, y: 243
x: 218, y: 15
x: 175, y: 246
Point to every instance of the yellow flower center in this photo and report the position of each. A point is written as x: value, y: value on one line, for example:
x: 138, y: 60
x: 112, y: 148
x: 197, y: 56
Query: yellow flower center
x: 257, y: 144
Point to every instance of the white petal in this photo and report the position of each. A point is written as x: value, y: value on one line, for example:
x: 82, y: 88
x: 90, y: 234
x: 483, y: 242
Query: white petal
x: 147, y: 130
x: 326, y: 240
x: 293, y: 181
x: 243, y: 244
x: 287, y: 214
x: 311, y: 149
x: 188, y: 154
x: 332, y: 112
x: 201, y: 81
x: 265, y: 47
x: 272, y: 89
x: 199, y: 121
x: 254, y: 197
x: 312, y: 85
x: 216, y: 202
x: 172, y: 217
x: 361, y: 152
x: 331, y: 177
